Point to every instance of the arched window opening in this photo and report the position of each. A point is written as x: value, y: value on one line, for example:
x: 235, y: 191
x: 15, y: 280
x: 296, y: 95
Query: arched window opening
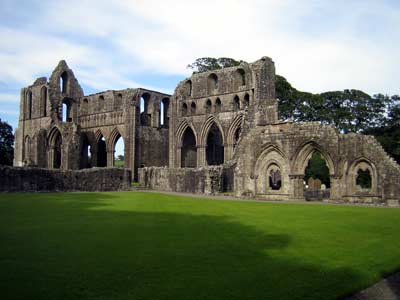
x: 189, y: 149
x: 188, y: 87
x: 43, y: 102
x: 145, y: 116
x: 118, y: 102
x: 236, y: 103
x: 364, y: 179
x: 317, y: 178
x: 246, y: 100
x: 193, y: 109
x: 27, y: 150
x: 101, y: 103
x: 65, y: 112
x: 119, y: 152
x: 240, y: 78
x: 29, y: 105
x: 86, y: 153
x: 215, y: 147
x: 57, y: 151
x: 164, y: 118
x: 85, y: 106
x: 236, y: 137
x: 64, y: 82
x: 212, y: 83
x: 101, y: 152
x: 218, y: 105
x: 208, y: 106
x: 184, y: 110
x: 275, y: 180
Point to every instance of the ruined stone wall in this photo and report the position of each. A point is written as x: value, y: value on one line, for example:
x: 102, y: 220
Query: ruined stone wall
x: 60, y: 128
x: 17, y: 179
x: 152, y: 146
x: 227, y: 98
x: 288, y: 148
x: 207, y: 180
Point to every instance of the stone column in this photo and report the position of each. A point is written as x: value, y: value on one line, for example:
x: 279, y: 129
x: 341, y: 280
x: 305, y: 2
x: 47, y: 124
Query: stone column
x: 201, y: 156
x: 228, y: 152
x: 335, y: 188
x: 50, y: 158
x: 178, y: 157
x: 296, y: 181
x: 110, y: 158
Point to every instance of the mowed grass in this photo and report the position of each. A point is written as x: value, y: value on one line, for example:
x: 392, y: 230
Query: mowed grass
x: 152, y: 246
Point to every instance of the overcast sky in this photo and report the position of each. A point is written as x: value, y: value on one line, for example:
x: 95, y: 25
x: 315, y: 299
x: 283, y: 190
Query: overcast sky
x: 317, y: 45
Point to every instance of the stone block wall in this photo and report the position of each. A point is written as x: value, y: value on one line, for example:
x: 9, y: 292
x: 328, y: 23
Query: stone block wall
x: 207, y: 180
x: 26, y: 179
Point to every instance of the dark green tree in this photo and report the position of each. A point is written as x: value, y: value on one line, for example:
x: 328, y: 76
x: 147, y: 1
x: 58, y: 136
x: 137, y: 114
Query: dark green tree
x: 205, y: 64
x: 6, y: 144
x: 389, y: 134
x: 317, y: 169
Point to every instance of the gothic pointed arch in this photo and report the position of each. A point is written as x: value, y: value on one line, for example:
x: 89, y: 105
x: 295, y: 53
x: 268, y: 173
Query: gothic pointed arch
x: 358, y: 167
x: 214, y: 143
x: 55, y: 148
x: 271, y: 171
x: 232, y: 136
x: 181, y: 129
x: 206, y: 128
x: 303, y: 154
x: 188, y: 149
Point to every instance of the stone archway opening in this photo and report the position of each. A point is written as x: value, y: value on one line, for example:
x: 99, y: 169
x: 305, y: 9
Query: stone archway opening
x: 101, y: 152
x: 57, y: 150
x: 119, y: 152
x: 275, y: 179
x: 364, y: 180
x: 317, y: 178
x: 189, y: 149
x: 214, y: 147
x: 86, y: 154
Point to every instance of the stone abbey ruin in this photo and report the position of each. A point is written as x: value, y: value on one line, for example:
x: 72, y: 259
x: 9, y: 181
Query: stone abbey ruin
x: 218, y: 132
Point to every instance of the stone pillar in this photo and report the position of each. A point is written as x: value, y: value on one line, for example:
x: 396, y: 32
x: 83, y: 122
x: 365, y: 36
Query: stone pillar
x: 178, y: 157
x: 110, y: 158
x: 335, y: 188
x: 296, y: 181
x: 50, y: 158
x: 228, y: 152
x: 201, y: 156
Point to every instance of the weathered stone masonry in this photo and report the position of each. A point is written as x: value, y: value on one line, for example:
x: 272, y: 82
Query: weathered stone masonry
x: 92, y: 125
x: 218, y: 132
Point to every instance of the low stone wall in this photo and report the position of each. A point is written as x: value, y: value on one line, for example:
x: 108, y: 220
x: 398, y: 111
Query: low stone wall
x: 26, y: 179
x: 207, y: 180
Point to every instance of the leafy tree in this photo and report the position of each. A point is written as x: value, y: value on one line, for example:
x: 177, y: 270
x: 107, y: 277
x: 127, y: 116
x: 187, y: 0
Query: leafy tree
x: 120, y: 157
x: 6, y: 144
x: 205, y: 64
x: 389, y: 134
x: 317, y: 169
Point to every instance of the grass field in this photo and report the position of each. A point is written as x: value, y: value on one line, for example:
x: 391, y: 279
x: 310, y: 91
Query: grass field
x: 152, y: 246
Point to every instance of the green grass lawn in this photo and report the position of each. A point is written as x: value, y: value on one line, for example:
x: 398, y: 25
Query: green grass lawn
x: 152, y: 246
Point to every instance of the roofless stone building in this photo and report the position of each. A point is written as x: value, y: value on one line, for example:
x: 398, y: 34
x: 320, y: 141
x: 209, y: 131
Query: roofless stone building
x: 218, y: 132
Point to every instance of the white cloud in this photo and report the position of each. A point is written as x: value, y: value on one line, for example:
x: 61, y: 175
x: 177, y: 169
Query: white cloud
x: 317, y: 45
x: 9, y: 98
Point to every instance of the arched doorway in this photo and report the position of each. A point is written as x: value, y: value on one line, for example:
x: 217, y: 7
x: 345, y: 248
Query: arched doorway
x: 55, y: 145
x: 214, y: 147
x: 317, y: 182
x: 189, y: 149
